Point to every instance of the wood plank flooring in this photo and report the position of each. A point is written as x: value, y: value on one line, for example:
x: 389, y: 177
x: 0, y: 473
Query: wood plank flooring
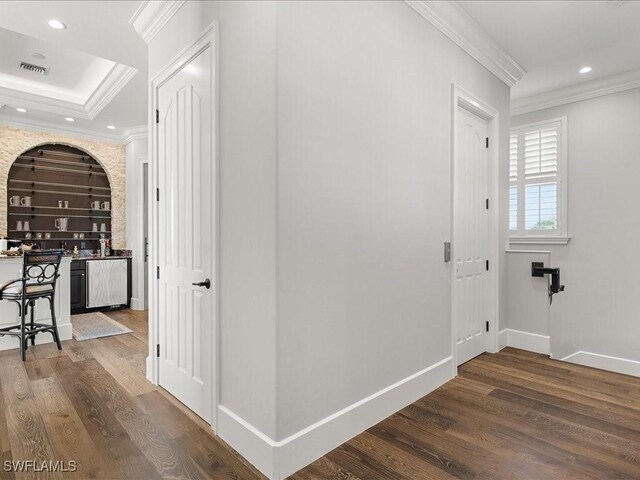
x: 511, y: 415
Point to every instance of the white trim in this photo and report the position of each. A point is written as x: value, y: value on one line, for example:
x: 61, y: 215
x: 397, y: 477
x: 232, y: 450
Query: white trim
x: 576, y: 93
x: 533, y: 342
x: 135, y: 304
x: 106, y: 91
x: 57, y: 129
x: 547, y: 252
x: 605, y: 362
x: 452, y: 20
x: 474, y: 104
x: 279, y: 459
x: 134, y: 133
x: 539, y: 240
x: 115, y: 81
x: 152, y: 16
x: 207, y: 39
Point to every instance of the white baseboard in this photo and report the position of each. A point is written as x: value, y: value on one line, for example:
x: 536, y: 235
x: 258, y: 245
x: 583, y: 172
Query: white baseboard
x: 65, y: 332
x: 605, y: 362
x: 532, y: 342
x: 279, y: 459
x: 137, y: 304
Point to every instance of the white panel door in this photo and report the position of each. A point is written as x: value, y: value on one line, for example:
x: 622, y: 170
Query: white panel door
x: 470, y: 235
x: 186, y: 234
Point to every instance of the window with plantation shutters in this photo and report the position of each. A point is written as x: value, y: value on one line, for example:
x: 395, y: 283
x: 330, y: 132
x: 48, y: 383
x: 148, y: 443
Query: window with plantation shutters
x: 537, y: 173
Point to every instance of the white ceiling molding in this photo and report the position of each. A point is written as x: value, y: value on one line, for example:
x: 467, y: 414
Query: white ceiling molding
x: 134, y: 133
x: 152, y: 15
x: 41, y: 126
x: 455, y: 23
x: 576, y: 93
x: 115, y: 80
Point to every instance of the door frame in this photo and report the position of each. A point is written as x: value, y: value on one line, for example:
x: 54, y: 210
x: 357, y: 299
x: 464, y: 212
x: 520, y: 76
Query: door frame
x: 474, y: 104
x: 207, y: 39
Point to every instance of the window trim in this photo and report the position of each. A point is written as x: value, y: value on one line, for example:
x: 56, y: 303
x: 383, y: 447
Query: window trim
x: 545, y: 237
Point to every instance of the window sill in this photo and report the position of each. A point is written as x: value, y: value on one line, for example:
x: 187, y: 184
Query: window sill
x: 539, y: 240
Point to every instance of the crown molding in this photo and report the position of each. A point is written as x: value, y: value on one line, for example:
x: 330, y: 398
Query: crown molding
x: 134, y: 133
x: 576, y: 93
x: 32, y: 101
x: 110, y: 86
x: 115, y: 81
x: 152, y: 15
x: 41, y: 126
x: 451, y: 19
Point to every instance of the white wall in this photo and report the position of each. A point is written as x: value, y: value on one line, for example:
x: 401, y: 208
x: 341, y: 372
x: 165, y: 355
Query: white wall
x: 136, y: 152
x: 364, y: 122
x: 598, y: 312
x: 335, y: 152
x: 247, y: 198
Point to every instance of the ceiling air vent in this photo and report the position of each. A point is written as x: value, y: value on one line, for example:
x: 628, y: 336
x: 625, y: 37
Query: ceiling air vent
x: 30, y: 67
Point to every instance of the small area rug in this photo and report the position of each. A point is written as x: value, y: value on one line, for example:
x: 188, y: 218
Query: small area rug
x: 87, y: 326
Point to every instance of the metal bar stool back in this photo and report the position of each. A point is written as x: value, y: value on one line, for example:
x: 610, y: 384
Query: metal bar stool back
x: 40, y: 272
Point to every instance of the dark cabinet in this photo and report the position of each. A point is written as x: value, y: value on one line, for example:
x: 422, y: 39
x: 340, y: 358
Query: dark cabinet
x: 78, y: 287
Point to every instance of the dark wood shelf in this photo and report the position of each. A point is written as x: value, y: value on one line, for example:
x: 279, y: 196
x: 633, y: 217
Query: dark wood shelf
x: 52, y: 173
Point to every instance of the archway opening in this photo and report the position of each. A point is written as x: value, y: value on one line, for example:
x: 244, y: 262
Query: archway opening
x: 58, y: 196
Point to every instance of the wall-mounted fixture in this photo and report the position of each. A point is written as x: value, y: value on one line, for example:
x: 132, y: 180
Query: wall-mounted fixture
x: 539, y: 270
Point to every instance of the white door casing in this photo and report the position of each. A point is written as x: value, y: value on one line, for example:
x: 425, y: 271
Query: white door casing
x: 186, y: 233
x: 470, y: 234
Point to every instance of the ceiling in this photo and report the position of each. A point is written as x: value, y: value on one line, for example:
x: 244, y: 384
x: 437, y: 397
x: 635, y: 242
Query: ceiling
x: 97, y: 66
x: 552, y: 40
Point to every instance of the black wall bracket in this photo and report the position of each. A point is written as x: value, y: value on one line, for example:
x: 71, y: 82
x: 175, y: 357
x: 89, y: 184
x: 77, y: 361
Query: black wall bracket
x: 539, y: 270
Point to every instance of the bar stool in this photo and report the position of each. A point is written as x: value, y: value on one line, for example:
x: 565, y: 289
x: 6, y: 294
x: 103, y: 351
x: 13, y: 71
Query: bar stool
x: 39, y: 276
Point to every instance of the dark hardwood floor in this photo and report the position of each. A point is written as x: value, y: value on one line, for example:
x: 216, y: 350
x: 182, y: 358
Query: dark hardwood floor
x: 511, y: 415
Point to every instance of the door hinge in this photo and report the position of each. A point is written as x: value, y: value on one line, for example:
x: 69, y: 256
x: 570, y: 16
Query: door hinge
x: 158, y: 349
x: 487, y: 265
x: 158, y: 273
x: 157, y: 116
x: 487, y: 325
x: 487, y: 142
x: 157, y: 194
x: 487, y: 204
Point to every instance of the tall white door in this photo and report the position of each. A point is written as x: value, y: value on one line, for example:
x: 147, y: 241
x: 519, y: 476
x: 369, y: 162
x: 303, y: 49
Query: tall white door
x: 186, y: 234
x: 470, y: 234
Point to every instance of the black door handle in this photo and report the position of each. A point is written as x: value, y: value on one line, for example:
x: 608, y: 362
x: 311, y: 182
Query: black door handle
x: 206, y: 283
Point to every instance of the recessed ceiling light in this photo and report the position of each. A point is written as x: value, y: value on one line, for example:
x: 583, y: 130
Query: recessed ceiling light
x: 21, y: 110
x: 585, y: 69
x: 69, y: 119
x: 57, y: 24
x: 111, y: 127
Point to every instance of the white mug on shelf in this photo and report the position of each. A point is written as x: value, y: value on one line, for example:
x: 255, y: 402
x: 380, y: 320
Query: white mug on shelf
x: 95, y: 227
x: 59, y: 203
x: 14, y: 201
x: 103, y: 227
x: 19, y: 226
x: 95, y: 205
x: 105, y: 205
x: 66, y: 204
x: 61, y: 224
x: 25, y: 202
x: 25, y: 225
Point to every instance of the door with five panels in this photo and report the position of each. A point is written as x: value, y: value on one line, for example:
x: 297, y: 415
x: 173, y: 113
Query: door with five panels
x: 186, y: 234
